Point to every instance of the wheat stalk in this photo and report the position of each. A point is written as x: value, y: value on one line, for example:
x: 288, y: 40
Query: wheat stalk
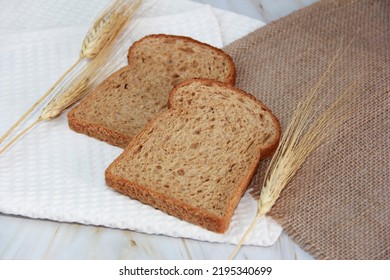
x: 103, y: 31
x: 104, y: 62
x: 303, y: 135
x: 107, y: 26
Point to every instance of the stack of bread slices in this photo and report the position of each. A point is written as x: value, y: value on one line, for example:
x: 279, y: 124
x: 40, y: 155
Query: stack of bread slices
x: 192, y: 141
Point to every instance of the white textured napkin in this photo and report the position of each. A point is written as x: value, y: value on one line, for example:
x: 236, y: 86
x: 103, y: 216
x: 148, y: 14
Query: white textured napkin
x: 54, y: 173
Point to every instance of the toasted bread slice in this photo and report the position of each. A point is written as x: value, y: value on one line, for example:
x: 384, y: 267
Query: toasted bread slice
x: 195, y: 160
x: 127, y: 100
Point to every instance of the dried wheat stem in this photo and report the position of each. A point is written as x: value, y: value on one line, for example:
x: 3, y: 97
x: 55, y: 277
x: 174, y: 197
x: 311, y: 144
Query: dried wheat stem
x: 65, y: 99
x: 98, y: 33
x: 102, y: 33
x: 98, y: 46
x: 100, y: 67
x: 107, y: 26
x: 24, y: 131
x: 39, y: 101
x: 241, y: 242
x: 98, y: 36
x: 296, y: 145
x: 303, y: 135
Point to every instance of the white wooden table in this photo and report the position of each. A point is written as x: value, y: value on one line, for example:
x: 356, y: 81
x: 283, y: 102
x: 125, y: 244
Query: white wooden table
x: 24, y: 238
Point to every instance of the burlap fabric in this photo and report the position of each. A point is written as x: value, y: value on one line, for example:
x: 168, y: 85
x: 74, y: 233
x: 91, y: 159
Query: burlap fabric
x: 338, y: 205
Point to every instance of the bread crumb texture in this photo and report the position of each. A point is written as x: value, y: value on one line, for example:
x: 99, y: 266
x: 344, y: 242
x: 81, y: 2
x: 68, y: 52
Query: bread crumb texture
x: 196, y: 159
x: 127, y: 100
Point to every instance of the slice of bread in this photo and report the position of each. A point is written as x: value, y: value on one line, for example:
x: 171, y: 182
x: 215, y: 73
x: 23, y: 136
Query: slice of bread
x: 195, y: 160
x: 127, y: 100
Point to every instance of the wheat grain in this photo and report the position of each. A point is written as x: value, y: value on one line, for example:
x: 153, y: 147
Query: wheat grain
x: 108, y: 25
x: 108, y: 61
x: 65, y: 99
x: 104, y: 62
x: 103, y: 31
x: 102, y: 66
x: 304, y: 134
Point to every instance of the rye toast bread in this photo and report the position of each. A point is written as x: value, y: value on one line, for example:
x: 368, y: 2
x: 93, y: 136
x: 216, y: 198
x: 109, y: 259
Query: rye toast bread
x: 128, y: 99
x: 195, y: 160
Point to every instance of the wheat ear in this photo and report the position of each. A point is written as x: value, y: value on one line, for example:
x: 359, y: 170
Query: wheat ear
x: 107, y: 26
x: 103, y: 64
x: 37, y: 103
x: 303, y: 135
x: 103, y: 31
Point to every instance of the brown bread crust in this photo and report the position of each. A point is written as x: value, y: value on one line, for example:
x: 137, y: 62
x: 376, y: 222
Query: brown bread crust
x: 98, y: 131
x: 106, y: 133
x: 230, y: 80
x: 267, y: 151
x: 180, y: 209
